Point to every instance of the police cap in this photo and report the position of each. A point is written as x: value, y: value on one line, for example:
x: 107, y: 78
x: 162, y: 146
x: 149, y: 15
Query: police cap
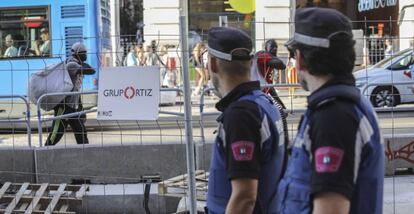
x: 316, y: 26
x: 229, y: 44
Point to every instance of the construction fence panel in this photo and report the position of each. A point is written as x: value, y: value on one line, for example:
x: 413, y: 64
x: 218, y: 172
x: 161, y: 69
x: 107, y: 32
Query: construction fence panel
x: 140, y: 166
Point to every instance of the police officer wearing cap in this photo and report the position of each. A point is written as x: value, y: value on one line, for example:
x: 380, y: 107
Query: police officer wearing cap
x: 337, y: 161
x: 248, y: 156
x: 77, y: 67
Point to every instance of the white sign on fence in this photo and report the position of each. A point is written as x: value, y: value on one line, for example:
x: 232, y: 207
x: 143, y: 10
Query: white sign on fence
x: 129, y: 93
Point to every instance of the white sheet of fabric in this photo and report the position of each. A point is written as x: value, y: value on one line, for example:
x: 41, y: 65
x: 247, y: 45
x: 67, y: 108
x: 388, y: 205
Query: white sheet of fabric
x: 54, y: 78
x: 255, y: 73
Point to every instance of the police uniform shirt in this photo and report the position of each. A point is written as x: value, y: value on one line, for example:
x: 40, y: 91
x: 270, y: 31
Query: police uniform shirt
x: 241, y: 124
x: 333, y: 129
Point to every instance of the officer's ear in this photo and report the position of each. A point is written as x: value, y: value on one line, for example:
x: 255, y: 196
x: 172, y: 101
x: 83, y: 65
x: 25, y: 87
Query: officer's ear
x: 300, y: 61
x: 212, y: 64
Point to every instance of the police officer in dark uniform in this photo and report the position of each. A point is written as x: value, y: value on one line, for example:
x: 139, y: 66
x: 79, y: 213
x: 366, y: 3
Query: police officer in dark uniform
x: 248, y: 156
x: 337, y: 161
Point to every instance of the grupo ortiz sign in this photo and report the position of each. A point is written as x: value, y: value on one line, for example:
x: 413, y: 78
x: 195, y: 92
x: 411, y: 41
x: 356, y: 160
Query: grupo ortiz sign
x: 366, y: 5
x: 129, y: 93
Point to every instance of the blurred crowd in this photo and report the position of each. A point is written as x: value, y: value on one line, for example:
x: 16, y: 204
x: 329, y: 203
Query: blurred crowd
x: 152, y: 55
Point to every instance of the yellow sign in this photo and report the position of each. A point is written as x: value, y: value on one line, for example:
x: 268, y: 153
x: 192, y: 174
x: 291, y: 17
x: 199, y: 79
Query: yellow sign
x: 243, y: 6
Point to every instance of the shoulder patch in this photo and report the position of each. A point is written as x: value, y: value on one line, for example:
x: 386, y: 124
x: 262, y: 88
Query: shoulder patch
x: 243, y: 150
x: 328, y: 159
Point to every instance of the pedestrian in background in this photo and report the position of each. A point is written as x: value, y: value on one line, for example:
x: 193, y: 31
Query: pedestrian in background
x: 337, y: 162
x: 11, y: 51
x: 389, y: 51
x: 270, y: 46
x: 42, y: 47
x: 291, y: 74
x: 163, y: 60
x: 77, y: 67
x: 139, y: 51
x: 150, y: 58
x: 248, y: 156
x: 204, y: 61
x: 132, y: 58
x: 199, y: 67
x: 265, y: 65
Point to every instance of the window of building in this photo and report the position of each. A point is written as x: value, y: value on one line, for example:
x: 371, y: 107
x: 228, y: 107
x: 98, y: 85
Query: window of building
x: 24, y: 32
x: 204, y: 14
x: 105, y: 24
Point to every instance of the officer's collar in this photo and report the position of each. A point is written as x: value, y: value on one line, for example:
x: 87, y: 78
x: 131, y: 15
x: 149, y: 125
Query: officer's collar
x: 236, y: 93
x: 334, y: 88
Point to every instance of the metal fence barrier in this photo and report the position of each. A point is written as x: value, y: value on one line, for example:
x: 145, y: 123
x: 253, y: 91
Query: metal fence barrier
x: 39, y: 112
x: 75, y: 114
x: 26, y: 120
x: 370, y: 48
x: 179, y: 114
x: 178, y: 90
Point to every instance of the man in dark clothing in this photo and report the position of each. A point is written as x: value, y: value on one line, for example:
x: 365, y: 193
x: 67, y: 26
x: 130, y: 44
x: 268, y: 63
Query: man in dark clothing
x: 248, y: 157
x: 267, y: 64
x: 337, y: 161
x: 76, y: 67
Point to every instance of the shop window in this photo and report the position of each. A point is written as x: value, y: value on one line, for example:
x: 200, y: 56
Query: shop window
x: 204, y: 14
x: 25, y: 32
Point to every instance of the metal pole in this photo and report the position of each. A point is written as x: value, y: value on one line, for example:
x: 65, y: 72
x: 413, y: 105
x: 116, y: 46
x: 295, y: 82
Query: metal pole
x: 29, y: 128
x: 292, y: 17
x: 203, y: 139
x: 187, y: 106
x: 39, y: 125
x: 35, y: 165
x: 223, y: 21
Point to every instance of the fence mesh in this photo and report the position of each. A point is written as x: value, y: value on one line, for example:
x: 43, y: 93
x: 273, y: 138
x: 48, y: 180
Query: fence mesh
x: 125, y: 158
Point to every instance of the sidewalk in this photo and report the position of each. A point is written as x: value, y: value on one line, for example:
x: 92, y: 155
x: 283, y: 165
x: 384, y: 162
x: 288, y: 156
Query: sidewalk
x: 398, y: 195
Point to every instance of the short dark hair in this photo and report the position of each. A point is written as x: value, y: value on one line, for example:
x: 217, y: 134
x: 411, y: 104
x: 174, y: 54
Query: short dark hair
x: 235, y: 67
x: 337, y: 60
x: 270, y: 42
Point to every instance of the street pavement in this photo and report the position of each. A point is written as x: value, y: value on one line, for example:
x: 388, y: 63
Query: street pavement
x: 399, y: 195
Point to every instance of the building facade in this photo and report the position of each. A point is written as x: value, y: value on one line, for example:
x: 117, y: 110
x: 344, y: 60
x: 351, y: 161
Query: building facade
x: 378, y: 19
x: 161, y: 19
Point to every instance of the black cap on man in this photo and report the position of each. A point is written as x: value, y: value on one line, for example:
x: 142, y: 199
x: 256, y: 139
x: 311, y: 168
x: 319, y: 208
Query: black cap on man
x: 229, y: 44
x: 324, y: 38
x: 230, y: 53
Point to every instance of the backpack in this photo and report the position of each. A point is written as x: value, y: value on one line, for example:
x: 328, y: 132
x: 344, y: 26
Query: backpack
x: 52, y: 79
